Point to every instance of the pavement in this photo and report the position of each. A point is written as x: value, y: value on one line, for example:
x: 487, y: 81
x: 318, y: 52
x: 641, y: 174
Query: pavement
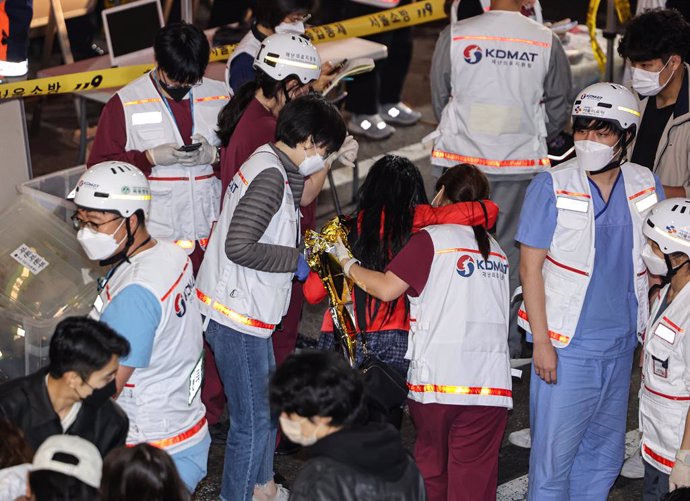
x: 53, y: 147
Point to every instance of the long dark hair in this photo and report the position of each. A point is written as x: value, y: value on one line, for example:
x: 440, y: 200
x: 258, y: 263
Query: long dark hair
x: 466, y: 183
x: 141, y: 472
x: 385, y: 213
x: 230, y: 115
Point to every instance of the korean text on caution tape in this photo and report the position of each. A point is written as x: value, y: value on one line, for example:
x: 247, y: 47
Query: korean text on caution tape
x: 392, y: 19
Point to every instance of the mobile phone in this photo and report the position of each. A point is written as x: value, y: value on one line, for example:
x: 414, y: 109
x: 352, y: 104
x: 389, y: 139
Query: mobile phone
x: 189, y: 147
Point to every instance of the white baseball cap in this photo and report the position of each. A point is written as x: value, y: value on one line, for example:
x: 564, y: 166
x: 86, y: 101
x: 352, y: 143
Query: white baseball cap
x: 88, y: 464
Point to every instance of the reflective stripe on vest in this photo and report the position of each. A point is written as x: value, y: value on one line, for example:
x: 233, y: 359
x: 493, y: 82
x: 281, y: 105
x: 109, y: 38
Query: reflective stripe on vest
x: 143, y: 101
x: 167, y: 442
x: 664, y: 395
x: 460, y: 390
x: 181, y: 178
x: 502, y: 39
x: 572, y: 193
x: 541, y: 162
x: 657, y: 457
x: 474, y: 251
x: 189, y: 244
x: 165, y: 296
x: 566, y: 267
x: 553, y: 335
x: 210, y: 98
x: 237, y: 317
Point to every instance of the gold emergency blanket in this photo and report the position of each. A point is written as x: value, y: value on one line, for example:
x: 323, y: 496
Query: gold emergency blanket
x: 623, y: 12
x: 338, y: 286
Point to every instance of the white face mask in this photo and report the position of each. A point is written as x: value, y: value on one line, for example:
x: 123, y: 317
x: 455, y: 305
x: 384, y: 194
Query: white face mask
x: 647, y: 82
x: 655, y: 264
x: 593, y: 156
x: 311, y: 163
x: 296, y: 27
x: 293, y: 431
x: 99, y: 246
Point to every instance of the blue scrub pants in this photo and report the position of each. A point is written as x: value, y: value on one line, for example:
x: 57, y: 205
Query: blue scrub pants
x: 578, y: 428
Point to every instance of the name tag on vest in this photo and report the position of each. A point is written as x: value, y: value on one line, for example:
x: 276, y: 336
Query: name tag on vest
x: 195, y: 378
x: 665, y: 333
x: 646, y: 202
x: 567, y: 203
x: 98, y: 304
x: 149, y: 117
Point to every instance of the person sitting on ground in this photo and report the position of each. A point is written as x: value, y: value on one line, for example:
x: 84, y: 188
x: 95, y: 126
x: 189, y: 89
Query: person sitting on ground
x: 141, y: 472
x: 15, y: 461
x: 72, y: 394
x: 65, y: 467
x: 320, y: 402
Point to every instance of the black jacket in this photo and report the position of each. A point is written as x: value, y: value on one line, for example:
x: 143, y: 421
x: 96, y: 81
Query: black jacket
x: 362, y: 464
x: 25, y: 402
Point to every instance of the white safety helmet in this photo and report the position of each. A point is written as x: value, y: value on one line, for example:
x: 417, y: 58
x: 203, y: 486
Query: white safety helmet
x: 668, y: 224
x: 610, y: 102
x: 285, y: 54
x: 113, y: 186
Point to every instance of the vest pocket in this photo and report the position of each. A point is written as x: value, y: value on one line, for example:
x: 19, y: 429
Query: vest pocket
x: 209, y: 205
x: 570, y: 227
x: 160, y: 220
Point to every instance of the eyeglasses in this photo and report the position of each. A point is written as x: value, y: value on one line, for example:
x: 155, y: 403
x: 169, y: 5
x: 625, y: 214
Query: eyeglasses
x: 78, y: 224
x: 162, y: 77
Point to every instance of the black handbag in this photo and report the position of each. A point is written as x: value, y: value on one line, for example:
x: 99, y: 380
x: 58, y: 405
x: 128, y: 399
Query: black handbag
x: 385, y: 385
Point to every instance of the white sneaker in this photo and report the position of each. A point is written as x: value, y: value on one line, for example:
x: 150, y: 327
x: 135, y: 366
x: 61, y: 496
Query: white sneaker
x: 633, y: 466
x: 399, y: 114
x: 370, y: 126
x: 10, y: 69
x: 521, y: 438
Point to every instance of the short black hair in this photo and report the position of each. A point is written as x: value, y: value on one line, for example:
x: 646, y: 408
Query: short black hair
x: 83, y: 345
x: 318, y: 383
x: 680, y: 494
x: 47, y: 485
x: 584, y: 124
x: 270, y: 13
x: 311, y: 116
x: 656, y: 34
x: 182, y: 51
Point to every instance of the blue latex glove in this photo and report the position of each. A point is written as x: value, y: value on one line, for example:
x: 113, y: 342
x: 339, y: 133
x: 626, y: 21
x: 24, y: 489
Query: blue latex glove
x: 302, y: 268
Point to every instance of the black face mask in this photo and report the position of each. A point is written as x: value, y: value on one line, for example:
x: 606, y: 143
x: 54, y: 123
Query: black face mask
x: 101, y: 395
x: 177, y: 93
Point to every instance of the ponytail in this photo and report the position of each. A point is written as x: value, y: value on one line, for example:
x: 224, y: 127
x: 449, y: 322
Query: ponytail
x: 466, y: 183
x: 231, y: 113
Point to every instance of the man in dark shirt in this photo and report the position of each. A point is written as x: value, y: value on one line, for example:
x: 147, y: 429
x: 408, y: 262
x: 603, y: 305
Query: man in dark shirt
x: 656, y: 43
x: 72, y: 395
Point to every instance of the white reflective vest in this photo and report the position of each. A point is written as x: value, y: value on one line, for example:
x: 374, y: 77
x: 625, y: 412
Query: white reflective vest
x: 247, y: 300
x: 665, y: 392
x: 458, y: 340
x: 248, y: 45
x: 163, y: 400
x: 495, y: 118
x: 570, y: 260
x: 184, y: 200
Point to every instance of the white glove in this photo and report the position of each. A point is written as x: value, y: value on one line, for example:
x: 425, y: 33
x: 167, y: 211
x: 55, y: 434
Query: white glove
x: 347, y: 154
x: 680, y: 474
x: 206, y: 154
x: 167, y: 154
x: 340, y: 252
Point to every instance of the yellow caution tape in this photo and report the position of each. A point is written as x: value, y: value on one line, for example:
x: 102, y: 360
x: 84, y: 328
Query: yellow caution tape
x: 623, y: 12
x: 386, y: 20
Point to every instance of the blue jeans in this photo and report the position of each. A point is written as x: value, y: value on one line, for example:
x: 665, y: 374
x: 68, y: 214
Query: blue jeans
x: 244, y: 365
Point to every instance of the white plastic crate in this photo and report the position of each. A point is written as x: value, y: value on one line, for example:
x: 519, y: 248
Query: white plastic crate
x: 50, y: 190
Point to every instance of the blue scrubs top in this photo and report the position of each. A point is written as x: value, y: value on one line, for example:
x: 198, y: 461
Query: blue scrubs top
x: 608, y: 322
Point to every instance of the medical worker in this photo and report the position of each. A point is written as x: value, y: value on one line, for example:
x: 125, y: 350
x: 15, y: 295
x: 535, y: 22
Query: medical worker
x: 147, y: 297
x: 499, y: 87
x: 270, y: 17
x: 585, y: 298
x: 456, y: 280
x: 246, y: 278
x: 164, y: 124
x: 665, y: 393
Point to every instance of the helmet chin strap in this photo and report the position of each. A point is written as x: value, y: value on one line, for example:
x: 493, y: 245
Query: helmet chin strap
x: 613, y: 164
x: 671, y: 270
x: 122, y: 255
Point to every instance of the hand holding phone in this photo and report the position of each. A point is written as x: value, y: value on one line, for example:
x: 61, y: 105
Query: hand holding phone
x: 189, y: 147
